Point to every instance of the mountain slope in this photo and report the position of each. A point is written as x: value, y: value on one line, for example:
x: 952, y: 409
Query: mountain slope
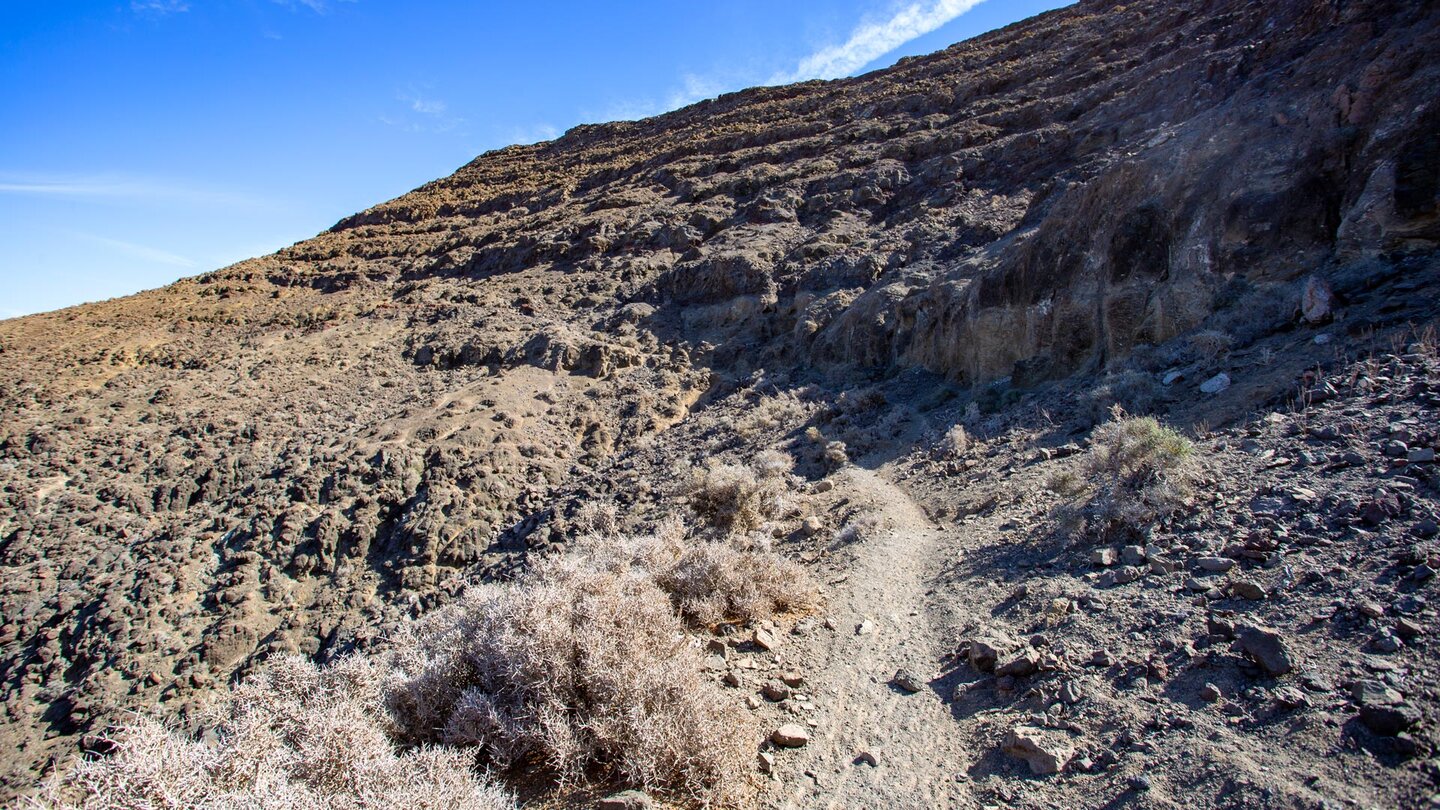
x: 299, y: 452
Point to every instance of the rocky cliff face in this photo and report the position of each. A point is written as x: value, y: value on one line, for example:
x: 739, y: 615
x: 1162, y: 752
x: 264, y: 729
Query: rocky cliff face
x: 295, y: 452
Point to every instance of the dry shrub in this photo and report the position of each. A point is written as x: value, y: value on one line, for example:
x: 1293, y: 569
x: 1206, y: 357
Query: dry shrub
x: 954, y: 443
x: 737, y: 579
x: 1143, y: 471
x: 292, y: 736
x: 713, y: 582
x: 863, y: 527
x: 1131, y: 391
x: 1210, y: 345
x: 736, y: 498
x: 577, y: 668
x: 596, y: 517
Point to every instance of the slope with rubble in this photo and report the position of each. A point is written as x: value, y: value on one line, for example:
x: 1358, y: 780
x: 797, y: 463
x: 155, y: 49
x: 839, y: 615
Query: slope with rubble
x: 1107, y: 203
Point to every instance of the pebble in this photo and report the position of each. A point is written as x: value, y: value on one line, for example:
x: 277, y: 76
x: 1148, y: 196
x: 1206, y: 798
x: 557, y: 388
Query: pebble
x: 1266, y: 646
x: 1045, y: 753
x: 1215, y: 384
x: 790, y: 735
x: 1245, y: 589
x: 907, y: 680
x: 1217, y: 565
x: 1210, y: 693
x: 625, y: 800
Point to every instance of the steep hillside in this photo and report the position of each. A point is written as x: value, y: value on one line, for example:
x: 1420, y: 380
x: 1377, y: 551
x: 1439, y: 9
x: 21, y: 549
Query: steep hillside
x: 1108, y: 203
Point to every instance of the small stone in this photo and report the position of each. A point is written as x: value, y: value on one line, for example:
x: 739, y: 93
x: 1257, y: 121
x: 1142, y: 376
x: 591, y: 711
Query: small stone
x: 1266, y: 646
x: 1043, y: 752
x: 1072, y: 692
x: 790, y: 735
x: 774, y: 691
x: 766, y: 761
x: 1102, y: 658
x: 907, y: 680
x: 1218, y: 565
x: 1386, y: 641
x: 985, y: 653
x: 865, y: 628
x: 1317, y: 301
x: 1371, y: 692
x: 765, y: 640
x: 731, y: 678
x: 1371, y: 610
x: 1140, y: 783
x: 1405, y: 628
x: 1025, y: 663
x: 1394, y: 448
x: 1132, y: 555
x: 1215, y: 384
x: 625, y: 800
x: 812, y: 525
x: 1210, y: 693
x: 1423, y: 455
x: 1289, y: 698
x: 1245, y: 589
x: 792, y: 678
x: 1387, y: 721
x: 866, y: 758
x: 1103, y: 557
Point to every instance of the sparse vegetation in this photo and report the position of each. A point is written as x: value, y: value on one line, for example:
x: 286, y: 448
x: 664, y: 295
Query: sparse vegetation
x: 582, y: 667
x: 292, y: 736
x: 736, y: 498
x: 1140, y: 471
x: 577, y: 668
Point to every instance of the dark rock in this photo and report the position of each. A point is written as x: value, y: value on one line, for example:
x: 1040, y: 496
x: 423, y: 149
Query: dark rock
x: 1267, y: 647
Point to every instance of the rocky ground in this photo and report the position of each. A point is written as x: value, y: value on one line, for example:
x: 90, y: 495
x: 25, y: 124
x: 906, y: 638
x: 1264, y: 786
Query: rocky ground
x: 1224, y: 215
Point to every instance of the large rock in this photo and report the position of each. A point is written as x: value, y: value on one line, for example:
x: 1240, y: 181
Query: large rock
x: 1045, y: 752
x: 1266, y: 646
x: 790, y: 735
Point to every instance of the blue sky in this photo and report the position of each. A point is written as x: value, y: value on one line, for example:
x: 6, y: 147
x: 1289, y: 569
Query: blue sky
x: 146, y: 140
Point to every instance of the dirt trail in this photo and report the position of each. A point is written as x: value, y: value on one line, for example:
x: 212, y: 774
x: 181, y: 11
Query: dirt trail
x: 859, y: 709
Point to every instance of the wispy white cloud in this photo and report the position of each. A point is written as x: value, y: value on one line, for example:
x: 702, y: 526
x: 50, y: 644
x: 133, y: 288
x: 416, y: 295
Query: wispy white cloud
x: 141, y: 252
x: 317, y: 6
x: 121, y: 187
x: 693, y: 87
x: 532, y: 134
x: 423, y: 113
x: 867, y: 42
x: 159, y: 8
x: 872, y: 40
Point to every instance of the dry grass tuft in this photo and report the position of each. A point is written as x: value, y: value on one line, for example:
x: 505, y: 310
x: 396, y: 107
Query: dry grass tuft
x: 292, y: 736
x: 582, y: 667
x: 1143, y: 471
x: 577, y: 668
x: 735, y: 498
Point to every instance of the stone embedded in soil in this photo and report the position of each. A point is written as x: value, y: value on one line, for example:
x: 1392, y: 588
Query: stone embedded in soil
x: 765, y: 639
x: 1210, y: 693
x: 1215, y: 384
x: 908, y: 681
x: 625, y: 800
x: 1371, y: 692
x: 1246, y: 589
x: 1387, y: 721
x: 1267, y: 647
x: 1218, y: 565
x: 790, y: 735
x: 1027, y: 662
x: 1046, y: 753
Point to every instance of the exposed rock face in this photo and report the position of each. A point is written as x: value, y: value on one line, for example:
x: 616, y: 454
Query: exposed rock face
x: 296, y: 452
